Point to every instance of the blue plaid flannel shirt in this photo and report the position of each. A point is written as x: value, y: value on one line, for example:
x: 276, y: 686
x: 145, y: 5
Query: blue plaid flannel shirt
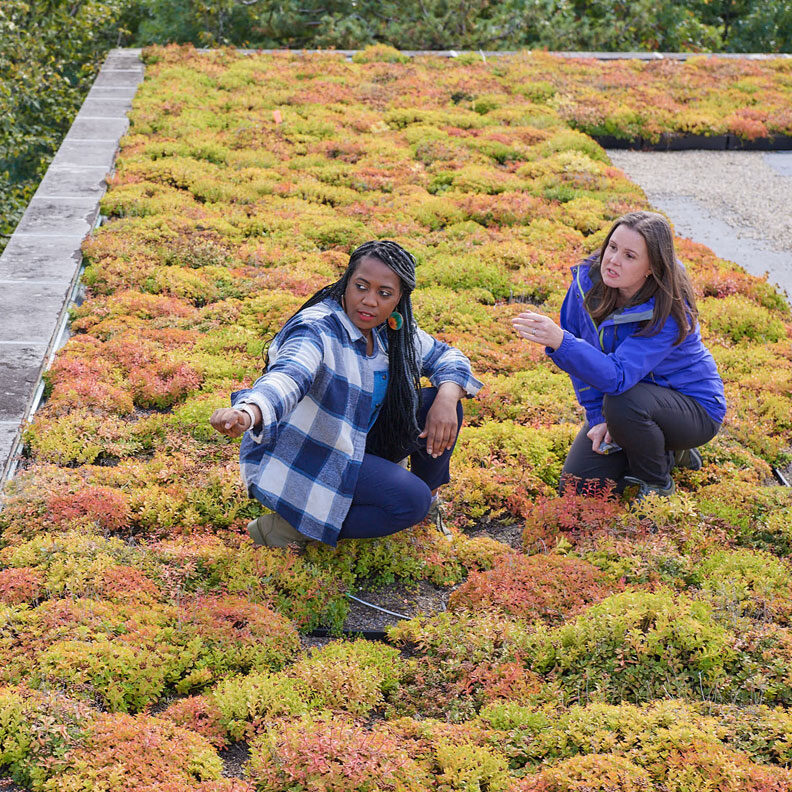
x: 315, y: 400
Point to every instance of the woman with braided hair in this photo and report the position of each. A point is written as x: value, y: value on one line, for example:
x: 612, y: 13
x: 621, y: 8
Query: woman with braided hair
x: 340, y: 404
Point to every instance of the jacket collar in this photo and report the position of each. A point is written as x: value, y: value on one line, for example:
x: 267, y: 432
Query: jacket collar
x: 340, y: 314
x: 634, y: 313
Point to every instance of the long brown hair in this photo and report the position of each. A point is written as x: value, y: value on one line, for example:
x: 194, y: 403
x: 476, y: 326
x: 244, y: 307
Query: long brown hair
x: 668, y: 282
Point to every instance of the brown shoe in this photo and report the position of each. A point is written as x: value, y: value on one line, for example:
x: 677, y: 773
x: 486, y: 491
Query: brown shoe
x: 271, y: 530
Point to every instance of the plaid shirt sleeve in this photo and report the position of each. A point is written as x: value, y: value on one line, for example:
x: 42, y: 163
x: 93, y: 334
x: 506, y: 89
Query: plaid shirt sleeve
x: 443, y: 363
x: 293, y: 367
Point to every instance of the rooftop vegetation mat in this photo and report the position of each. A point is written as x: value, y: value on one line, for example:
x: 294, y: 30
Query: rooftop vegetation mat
x: 667, y: 102
x: 606, y: 647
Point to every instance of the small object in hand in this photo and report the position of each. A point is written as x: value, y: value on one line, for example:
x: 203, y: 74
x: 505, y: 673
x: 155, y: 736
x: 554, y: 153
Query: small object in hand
x: 609, y: 448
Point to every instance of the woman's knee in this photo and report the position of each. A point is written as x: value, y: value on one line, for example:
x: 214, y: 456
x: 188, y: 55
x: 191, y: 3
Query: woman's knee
x: 414, y: 504
x: 587, y: 472
x: 411, y: 505
x: 427, y: 400
x: 622, y: 407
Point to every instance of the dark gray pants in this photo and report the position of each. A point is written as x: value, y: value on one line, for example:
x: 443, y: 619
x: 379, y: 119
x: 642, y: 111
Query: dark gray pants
x: 649, y: 423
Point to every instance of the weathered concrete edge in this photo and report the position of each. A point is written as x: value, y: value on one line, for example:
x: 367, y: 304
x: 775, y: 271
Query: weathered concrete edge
x: 40, y: 266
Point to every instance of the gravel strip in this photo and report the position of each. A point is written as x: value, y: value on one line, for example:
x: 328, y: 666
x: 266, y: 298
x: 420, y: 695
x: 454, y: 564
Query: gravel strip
x: 736, y: 202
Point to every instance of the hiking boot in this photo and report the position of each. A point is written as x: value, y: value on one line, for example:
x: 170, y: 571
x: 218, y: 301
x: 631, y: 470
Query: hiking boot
x: 689, y: 459
x: 645, y: 489
x: 435, y: 514
x: 271, y: 530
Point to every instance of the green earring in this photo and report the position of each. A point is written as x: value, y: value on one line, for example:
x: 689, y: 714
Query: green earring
x: 395, y: 321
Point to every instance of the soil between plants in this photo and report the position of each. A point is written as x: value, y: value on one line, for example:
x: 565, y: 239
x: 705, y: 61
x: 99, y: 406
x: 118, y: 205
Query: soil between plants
x: 405, y: 599
x: 235, y: 757
x: 408, y: 600
x: 508, y: 533
x: 414, y: 599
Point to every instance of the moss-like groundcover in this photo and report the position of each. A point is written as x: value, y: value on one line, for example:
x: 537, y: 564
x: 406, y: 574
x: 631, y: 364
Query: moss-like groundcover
x: 620, y: 649
x: 647, y: 101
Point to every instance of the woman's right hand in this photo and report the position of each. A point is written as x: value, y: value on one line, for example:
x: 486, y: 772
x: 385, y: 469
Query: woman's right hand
x: 540, y: 329
x: 230, y: 422
x: 598, y: 434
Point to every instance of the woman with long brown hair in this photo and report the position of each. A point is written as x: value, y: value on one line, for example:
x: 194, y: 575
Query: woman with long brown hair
x: 630, y: 341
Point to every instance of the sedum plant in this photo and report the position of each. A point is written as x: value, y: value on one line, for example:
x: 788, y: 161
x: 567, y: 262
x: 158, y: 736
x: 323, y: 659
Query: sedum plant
x: 587, y: 644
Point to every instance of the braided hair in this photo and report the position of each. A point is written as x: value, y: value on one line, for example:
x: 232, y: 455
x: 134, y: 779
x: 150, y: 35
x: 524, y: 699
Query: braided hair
x: 397, y: 423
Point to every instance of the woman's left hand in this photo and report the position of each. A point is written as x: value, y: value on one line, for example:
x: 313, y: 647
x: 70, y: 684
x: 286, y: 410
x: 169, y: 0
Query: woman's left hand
x: 441, y: 425
x: 538, y: 328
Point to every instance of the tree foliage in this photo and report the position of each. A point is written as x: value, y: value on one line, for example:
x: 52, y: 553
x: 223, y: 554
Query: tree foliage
x: 614, y: 25
x: 50, y: 51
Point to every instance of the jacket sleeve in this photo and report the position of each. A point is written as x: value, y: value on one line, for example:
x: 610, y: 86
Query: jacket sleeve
x: 616, y: 372
x: 441, y: 362
x: 589, y: 397
x: 292, y: 370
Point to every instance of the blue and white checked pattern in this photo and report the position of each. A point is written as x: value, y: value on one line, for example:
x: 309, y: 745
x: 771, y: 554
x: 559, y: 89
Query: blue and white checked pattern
x: 315, y: 399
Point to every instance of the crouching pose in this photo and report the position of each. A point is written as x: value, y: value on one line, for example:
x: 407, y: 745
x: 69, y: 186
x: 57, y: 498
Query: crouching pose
x: 340, y: 404
x: 630, y: 341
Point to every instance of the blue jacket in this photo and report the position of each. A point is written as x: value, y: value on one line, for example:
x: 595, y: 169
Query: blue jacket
x: 611, y: 359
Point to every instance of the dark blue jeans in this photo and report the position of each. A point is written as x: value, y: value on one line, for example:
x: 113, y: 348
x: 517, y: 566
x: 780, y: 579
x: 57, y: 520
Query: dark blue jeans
x: 389, y: 498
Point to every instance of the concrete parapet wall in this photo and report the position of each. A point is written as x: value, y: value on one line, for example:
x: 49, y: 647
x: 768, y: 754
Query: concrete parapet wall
x: 40, y: 266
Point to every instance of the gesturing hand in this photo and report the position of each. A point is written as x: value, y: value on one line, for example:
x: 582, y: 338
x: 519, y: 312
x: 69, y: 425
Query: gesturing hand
x: 538, y: 328
x: 230, y: 422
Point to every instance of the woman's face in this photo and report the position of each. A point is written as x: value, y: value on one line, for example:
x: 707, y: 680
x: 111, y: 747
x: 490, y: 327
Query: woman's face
x: 625, y: 263
x: 372, y: 294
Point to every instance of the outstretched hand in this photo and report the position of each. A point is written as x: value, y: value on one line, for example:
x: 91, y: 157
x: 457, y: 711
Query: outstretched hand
x: 230, y: 422
x: 538, y: 328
